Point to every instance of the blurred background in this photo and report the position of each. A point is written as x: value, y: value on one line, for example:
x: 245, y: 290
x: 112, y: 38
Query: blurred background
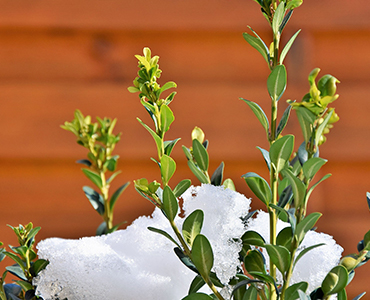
x: 57, y: 56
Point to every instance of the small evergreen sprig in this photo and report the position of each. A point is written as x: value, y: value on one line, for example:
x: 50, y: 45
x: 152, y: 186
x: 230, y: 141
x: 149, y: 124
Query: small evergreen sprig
x: 26, y: 266
x: 98, y: 138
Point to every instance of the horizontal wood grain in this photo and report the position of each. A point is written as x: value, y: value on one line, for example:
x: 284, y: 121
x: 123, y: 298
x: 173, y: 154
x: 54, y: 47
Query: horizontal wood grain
x: 191, y: 15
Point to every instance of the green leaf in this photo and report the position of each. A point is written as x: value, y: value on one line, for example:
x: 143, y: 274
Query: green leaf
x: 202, y: 255
x: 25, y: 285
x: 258, y: 44
x: 299, y: 189
x: 192, y: 226
x: 359, y: 296
x: 276, y: 82
x: 94, y: 177
x: 280, y: 256
x: 229, y: 184
x: 197, y: 296
x: 102, y: 229
x: 335, y: 281
x: 169, y: 205
x: 254, y: 262
x: 259, y: 113
x: 168, y: 146
x: 289, y: 44
x: 196, y: 284
x: 17, y: 270
x: 284, y: 238
x: 367, y: 241
x: 281, y: 150
x: 157, y: 139
x: 266, y: 156
x: 305, y: 225
x: 284, y: 120
x: 95, y: 199
x: 168, y: 168
x: 305, y: 250
x: 181, y: 187
x: 197, y: 172
x: 110, y: 179
x: 278, y: 18
x: 216, y: 178
x: 291, y: 292
x: 167, y: 118
x: 116, y: 195
x: 258, y: 186
x: 165, y: 234
x: 252, y: 238
x: 306, y: 119
x: 200, y: 155
x: 38, y: 266
x: 251, y: 293
x: 166, y: 86
x: 342, y: 295
x: 312, y: 166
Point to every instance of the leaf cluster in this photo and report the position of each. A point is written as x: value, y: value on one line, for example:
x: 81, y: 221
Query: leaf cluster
x: 26, y: 266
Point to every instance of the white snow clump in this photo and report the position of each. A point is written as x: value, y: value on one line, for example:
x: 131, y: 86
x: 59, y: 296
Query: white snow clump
x: 136, y: 263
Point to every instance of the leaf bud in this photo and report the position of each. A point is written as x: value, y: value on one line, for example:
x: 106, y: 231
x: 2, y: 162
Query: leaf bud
x: 349, y: 262
x: 197, y: 134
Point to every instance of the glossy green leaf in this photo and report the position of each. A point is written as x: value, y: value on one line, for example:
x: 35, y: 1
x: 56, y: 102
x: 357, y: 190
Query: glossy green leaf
x: 359, y: 296
x: 366, y: 241
x: 283, y: 121
x: 312, y: 166
x: 94, y: 177
x: 254, y: 262
x: 229, y: 184
x: 266, y: 156
x: 168, y: 168
x: 259, y: 113
x: 200, y: 155
x: 192, y: 226
x: 25, y: 285
x: 251, y: 293
x: 305, y: 250
x: 196, y: 284
x: 95, y: 199
x: 110, y: 179
x: 298, y: 187
x: 112, y: 163
x: 168, y: 146
x: 291, y: 292
x: 258, y: 186
x: 278, y: 18
x: 117, y: 194
x: 241, y: 286
x: 197, y: 172
x: 342, y: 295
x: 202, y: 255
x: 102, y: 229
x: 280, y: 256
x: 285, y: 196
x: 306, y: 119
x: 38, y: 266
x: 181, y: 187
x: 281, y: 150
x: 170, y: 205
x: 166, y: 86
x: 165, y: 234
x: 258, y: 44
x: 286, y: 48
x: 292, y: 4
x: 335, y: 281
x: 306, y: 224
x: 285, y: 19
x: 16, y: 270
x: 187, y: 153
x: 197, y: 296
x: 284, y: 238
x: 157, y: 139
x: 167, y: 118
x: 252, y: 238
x: 276, y: 82
x: 217, y: 176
